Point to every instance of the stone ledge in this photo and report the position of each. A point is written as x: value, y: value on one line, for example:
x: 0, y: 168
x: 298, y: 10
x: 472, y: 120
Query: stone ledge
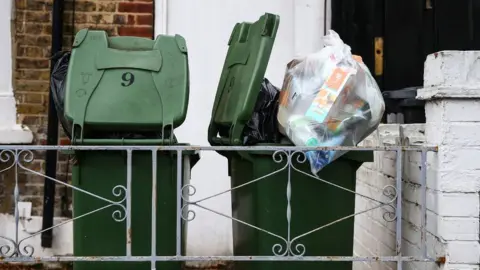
x: 17, y: 134
x: 449, y: 92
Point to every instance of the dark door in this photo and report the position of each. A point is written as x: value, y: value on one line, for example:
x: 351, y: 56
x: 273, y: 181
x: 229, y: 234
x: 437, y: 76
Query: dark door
x: 409, y: 30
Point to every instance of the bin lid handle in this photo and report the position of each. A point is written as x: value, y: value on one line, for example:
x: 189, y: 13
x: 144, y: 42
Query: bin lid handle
x: 112, y: 58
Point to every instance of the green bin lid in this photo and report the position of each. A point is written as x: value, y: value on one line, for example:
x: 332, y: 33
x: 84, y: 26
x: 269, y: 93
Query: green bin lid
x: 249, y: 51
x: 126, y: 84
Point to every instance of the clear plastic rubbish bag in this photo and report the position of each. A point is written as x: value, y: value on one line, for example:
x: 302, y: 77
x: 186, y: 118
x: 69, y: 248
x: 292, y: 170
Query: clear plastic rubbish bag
x: 329, y: 98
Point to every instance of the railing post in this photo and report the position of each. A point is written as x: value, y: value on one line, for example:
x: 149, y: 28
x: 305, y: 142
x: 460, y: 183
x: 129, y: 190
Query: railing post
x: 129, y: 202
x: 423, y: 188
x: 179, y: 202
x: 398, y: 180
x: 16, y: 197
x: 154, y: 209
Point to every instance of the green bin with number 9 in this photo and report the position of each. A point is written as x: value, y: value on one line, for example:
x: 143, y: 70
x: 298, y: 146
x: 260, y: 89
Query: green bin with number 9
x: 126, y: 83
x: 127, y: 91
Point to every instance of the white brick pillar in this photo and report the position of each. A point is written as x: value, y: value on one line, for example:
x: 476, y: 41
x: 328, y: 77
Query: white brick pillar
x: 452, y: 94
x: 10, y: 132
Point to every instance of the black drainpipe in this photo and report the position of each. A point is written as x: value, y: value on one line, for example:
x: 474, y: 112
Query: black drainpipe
x: 52, y: 132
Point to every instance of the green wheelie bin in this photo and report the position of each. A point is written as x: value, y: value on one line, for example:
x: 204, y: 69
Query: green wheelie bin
x: 263, y: 203
x: 126, y: 91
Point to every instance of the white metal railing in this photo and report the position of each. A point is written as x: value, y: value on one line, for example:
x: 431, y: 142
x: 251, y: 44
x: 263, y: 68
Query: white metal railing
x: 289, y: 247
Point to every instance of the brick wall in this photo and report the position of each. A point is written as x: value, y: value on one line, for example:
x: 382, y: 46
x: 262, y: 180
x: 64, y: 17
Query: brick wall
x: 453, y: 209
x: 452, y: 96
x: 32, y: 41
x: 373, y: 235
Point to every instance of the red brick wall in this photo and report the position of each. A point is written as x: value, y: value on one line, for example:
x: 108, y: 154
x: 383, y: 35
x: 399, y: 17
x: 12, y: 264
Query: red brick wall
x: 32, y: 41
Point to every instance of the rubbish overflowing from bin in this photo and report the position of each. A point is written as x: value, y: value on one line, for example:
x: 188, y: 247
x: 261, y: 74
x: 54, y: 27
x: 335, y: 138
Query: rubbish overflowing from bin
x: 329, y: 98
x: 58, y: 80
x: 263, y: 126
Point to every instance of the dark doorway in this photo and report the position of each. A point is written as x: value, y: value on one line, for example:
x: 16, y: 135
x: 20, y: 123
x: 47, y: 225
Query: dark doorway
x: 410, y: 29
x: 394, y: 37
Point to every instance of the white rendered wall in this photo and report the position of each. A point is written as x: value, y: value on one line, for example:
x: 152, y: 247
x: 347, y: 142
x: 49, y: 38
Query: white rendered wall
x: 206, y: 26
x: 10, y: 132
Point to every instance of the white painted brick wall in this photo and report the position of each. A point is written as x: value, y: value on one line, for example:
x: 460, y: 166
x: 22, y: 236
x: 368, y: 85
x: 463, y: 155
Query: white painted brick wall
x: 452, y: 205
x: 373, y: 235
x: 453, y: 123
x: 452, y: 94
